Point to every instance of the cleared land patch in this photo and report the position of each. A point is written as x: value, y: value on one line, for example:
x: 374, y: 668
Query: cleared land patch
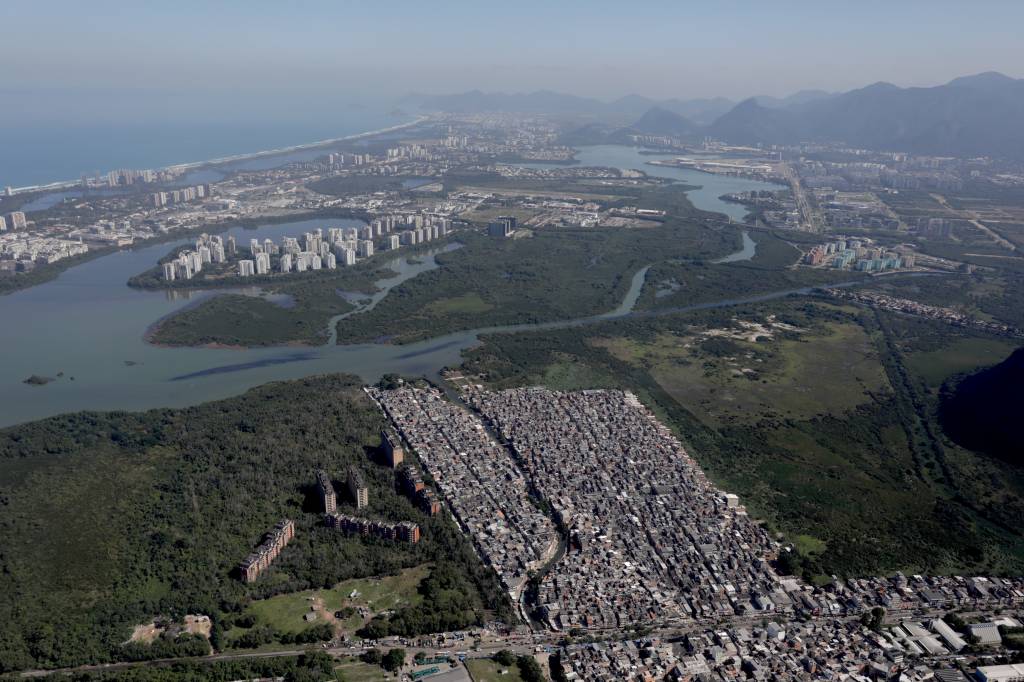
x: 798, y: 377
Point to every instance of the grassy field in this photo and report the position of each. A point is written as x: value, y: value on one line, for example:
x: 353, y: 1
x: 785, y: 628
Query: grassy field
x: 286, y: 612
x: 810, y: 375
x: 960, y: 355
x: 486, y: 670
x: 353, y: 670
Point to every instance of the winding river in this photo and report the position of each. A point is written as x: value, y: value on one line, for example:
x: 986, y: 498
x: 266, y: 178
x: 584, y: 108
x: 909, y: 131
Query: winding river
x: 85, y: 330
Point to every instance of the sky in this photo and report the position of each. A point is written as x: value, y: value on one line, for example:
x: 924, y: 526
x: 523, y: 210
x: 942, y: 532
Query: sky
x: 104, y: 58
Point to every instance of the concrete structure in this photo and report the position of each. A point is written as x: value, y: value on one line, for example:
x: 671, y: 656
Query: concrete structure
x: 406, y: 531
x: 1000, y: 673
x: 327, y: 495
x: 273, y: 542
x: 357, y: 489
x: 394, y: 453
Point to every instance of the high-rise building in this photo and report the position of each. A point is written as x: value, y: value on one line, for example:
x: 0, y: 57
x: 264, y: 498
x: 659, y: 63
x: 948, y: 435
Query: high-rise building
x: 329, y: 261
x: 246, y: 268
x: 169, y: 271
x: 348, y: 257
x: 17, y: 220
x: 357, y: 489
x: 3, y: 223
x: 262, y: 263
x: 365, y: 248
x: 327, y: 496
x: 503, y: 226
x: 394, y: 453
x: 393, y: 242
x: 286, y: 263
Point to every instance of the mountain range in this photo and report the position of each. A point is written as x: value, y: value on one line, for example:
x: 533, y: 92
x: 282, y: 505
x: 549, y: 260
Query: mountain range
x: 968, y: 116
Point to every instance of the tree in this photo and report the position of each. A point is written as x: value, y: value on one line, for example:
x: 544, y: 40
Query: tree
x: 505, y: 657
x: 394, y: 660
x: 529, y: 669
x: 372, y: 656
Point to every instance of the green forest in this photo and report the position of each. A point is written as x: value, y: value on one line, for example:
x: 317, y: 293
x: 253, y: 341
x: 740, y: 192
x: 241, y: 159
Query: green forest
x: 113, y: 519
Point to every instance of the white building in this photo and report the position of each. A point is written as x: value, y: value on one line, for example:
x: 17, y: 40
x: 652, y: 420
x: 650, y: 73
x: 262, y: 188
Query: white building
x: 246, y: 268
x: 262, y: 263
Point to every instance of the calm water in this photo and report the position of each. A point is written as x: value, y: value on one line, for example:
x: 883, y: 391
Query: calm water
x: 41, y: 153
x: 705, y: 198
x: 89, y: 326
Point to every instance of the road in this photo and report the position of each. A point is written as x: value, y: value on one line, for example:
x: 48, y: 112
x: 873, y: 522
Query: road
x: 808, y: 219
x: 972, y: 218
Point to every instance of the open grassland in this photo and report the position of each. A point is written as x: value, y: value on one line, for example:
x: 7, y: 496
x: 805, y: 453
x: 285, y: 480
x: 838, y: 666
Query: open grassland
x: 959, y: 355
x: 487, y: 670
x: 286, y: 612
x: 353, y: 670
x: 809, y: 375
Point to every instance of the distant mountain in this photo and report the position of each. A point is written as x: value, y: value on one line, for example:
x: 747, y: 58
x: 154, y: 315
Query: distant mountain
x: 982, y: 412
x: 968, y: 116
x: 658, y: 121
x: 750, y: 123
x: 701, y: 111
x: 542, y: 101
x: 796, y: 99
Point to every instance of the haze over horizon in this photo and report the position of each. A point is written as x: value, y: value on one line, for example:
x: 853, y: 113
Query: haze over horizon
x: 166, y: 62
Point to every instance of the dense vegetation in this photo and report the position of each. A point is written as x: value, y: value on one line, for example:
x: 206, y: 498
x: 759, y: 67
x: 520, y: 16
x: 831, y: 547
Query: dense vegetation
x: 548, y: 275
x: 112, y: 519
x: 553, y: 275
x: 310, y: 666
x: 676, y: 283
x: 829, y: 437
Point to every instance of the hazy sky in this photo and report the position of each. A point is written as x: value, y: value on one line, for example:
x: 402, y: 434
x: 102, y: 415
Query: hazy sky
x: 269, y: 50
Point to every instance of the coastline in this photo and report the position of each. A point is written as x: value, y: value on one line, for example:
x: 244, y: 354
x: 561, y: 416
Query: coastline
x: 192, y: 165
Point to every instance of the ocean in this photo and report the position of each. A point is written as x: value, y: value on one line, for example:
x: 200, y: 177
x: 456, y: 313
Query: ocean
x: 35, y: 154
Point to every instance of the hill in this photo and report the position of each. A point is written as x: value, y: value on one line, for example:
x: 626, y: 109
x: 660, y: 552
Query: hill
x: 658, y: 121
x: 973, y: 115
x: 981, y: 411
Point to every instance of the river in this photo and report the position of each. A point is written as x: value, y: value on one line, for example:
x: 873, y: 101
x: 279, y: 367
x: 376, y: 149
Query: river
x: 710, y: 186
x: 87, y: 327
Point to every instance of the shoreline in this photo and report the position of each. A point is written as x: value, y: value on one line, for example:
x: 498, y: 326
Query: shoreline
x: 192, y: 165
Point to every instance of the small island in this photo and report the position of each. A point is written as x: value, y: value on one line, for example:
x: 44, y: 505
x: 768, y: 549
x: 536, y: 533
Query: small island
x: 37, y: 380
